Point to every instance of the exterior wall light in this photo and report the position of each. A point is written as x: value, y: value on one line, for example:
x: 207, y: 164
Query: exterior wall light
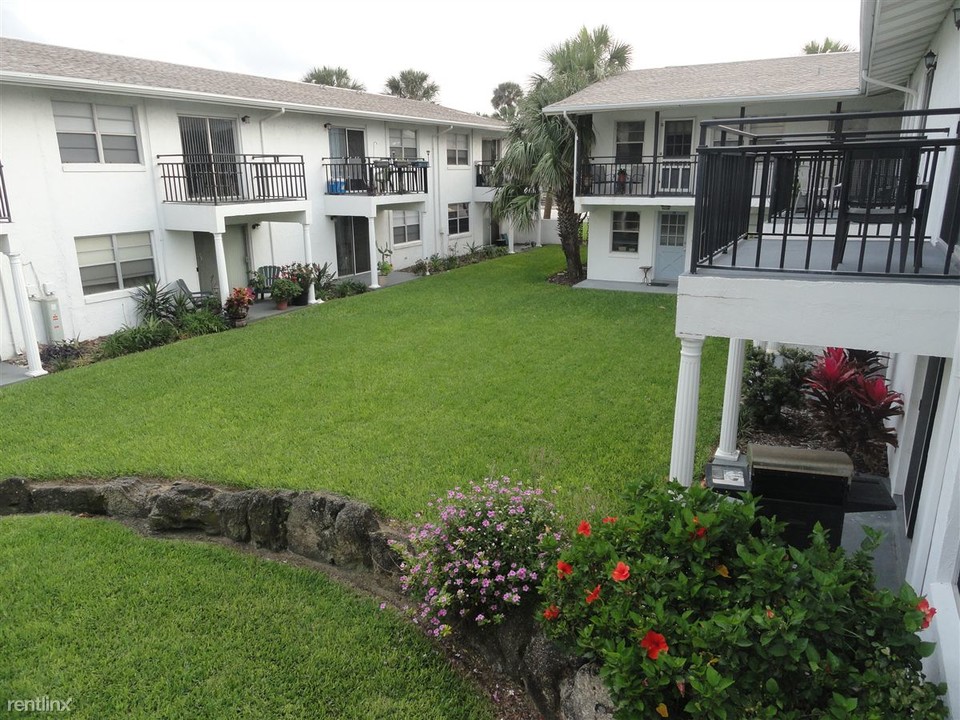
x: 930, y: 60
x: 245, y: 119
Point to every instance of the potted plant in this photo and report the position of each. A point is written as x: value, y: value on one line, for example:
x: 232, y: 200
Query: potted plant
x: 258, y: 283
x: 237, y: 305
x: 384, y: 267
x: 303, y: 274
x: 283, y: 291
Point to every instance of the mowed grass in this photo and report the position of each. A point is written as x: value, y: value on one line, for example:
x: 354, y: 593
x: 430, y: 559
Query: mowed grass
x: 390, y: 397
x: 136, y: 628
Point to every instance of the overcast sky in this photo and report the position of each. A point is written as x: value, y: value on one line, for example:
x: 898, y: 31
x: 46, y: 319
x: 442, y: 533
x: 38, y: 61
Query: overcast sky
x: 467, y: 48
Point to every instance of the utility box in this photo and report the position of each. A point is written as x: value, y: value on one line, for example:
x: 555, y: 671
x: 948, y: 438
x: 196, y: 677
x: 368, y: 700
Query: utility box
x: 801, y: 487
x: 52, y: 320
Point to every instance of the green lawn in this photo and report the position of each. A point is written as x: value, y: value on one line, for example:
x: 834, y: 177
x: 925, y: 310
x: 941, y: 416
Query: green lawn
x: 136, y: 628
x: 390, y: 397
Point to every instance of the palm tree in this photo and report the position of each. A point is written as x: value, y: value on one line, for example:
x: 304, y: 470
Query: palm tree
x: 829, y: 45
x: 539, y: 157
x: 506, y: 95
x: 412, y: 84
x: 334, y: 77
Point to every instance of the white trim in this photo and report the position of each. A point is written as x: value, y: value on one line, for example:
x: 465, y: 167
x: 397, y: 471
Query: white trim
x: 720, y: 100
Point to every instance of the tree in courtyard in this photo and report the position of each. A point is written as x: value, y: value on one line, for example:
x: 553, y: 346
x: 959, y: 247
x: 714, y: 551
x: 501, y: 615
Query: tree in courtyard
x: 539, y: 157
x: 506, y: 97
x: 829, y: 45
x: 412, y: 84
x: 334, y: 77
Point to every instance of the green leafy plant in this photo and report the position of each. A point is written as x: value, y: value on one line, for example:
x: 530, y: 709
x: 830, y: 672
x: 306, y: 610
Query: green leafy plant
x: 480, y: 559
x: 200, y: 322
x: 154, y: 302
x: 324, y: 281
x: 284, y: 290
x: 695, y: 608
x: 851, y: 403
x: 384, y: 267
x: 451, y: 262
x: 151, y: 333
x: 238, y: 302
x: 346, y: 288
x: 420, y: 267
x: 435, y: 263
x: 303, y: 274
x: 61, y: 354
x: 772, y: 382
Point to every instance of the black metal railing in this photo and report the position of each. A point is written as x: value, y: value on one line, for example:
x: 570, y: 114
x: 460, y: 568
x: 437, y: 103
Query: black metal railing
x: 218, y: 179
x: 4, y: 203
x: 832, y: 202
x: 375, y: 176
x: 643, y: 177
x: 484, y: 173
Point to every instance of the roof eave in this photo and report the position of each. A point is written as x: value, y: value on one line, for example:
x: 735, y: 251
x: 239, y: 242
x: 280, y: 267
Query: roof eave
x: 69, y: 83
x: 559, y: 110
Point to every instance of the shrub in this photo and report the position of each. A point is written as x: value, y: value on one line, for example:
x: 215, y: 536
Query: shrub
x: 61, y: 354
x: 697, y: 609
x: 153, y: 302
x: 850, y: 402
x: 435, y: 263
x: 151, y: 333
x: 420, y: 267
x: 201, y: 322
x: 771, y: 383
x: 238, y: 302
x: 284, y: 290
x: 346, y: 288
x: 480, y: 558
x: 323, y: 283
x: 451, y: 262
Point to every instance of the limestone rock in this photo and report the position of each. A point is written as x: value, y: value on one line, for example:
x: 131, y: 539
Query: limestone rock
x: 267, y: 515
x: 129, y: 497
x: 232, y: 508
x: 352, y: 529
x: 545, y: 668
x: 186, y: 506
x: 585, y: 697
x: 56, y: 497
x: 14, y: 496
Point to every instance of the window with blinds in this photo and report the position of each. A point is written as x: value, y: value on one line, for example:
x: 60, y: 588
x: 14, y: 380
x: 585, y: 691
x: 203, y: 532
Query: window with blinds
x: 112, y: 262
x: 89, y: 133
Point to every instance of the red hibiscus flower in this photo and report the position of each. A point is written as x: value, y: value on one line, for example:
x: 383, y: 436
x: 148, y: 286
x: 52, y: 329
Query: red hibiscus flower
x: 593, y: 594
x: 621, y: 572
x: 654, y: 643
x: 564, y: 569
x: 928, y: 612
x: 699, y: 531
x: 583, y: 528
x: 608, y: 520
x: 551, y: 613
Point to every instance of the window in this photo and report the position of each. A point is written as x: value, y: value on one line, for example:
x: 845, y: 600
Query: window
x: 458, y: 216
x: 111, y: 262
x: 673, y: 229
x: 406, y: 226
x: 630, y: 142
x: 677, y: 138
x: 626, y: 231
x: 403, y: 144
x: 95, y: 133
x: 457, y: 145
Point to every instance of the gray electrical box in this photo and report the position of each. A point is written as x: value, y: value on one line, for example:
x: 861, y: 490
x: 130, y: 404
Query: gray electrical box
x: 52, y: 320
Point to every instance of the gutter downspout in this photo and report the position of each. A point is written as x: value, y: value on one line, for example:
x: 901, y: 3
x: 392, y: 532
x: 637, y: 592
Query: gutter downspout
x: 889, y: 86
x: 436, y: 198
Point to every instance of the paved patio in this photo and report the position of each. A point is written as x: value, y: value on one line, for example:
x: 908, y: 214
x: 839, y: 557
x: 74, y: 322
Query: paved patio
x: 11, y: 373
x: 636, y: 287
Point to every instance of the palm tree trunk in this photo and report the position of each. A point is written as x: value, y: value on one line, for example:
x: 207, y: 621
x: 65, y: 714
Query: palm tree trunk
x: 568, y: 227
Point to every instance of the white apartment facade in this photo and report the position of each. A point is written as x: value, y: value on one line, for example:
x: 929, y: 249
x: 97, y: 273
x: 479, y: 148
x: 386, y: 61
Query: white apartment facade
x: 118, y: 170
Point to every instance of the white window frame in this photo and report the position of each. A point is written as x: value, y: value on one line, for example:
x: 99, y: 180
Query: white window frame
x: 98, y: 131
x: 460, y: 155
x: 627, y: 145
x: 461, y: 215
x: 402, y: 219
x: 116, y: 261
x: 663, y: 144
x: 624, y: 217
x: 670, y: 217
x: 406, y: 151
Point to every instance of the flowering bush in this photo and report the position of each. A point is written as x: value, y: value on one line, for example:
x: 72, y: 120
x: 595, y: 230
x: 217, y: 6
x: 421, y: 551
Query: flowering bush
x: 696, y: 609
x: 284, y: 290
x: 481, y: 558
x: 851, y: 401
x: 238, y: 301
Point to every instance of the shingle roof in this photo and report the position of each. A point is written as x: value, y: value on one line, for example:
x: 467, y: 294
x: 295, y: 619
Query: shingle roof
x: 51, y: 63
x: 827, y: 74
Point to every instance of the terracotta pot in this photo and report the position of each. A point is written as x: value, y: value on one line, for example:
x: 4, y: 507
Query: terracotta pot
x: 282, y: 304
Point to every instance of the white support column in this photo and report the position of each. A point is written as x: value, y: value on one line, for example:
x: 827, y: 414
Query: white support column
x: 372, y: 231
x: 730, y: 420
x: 221, y: 266
x: 30, y: 348
x: 308, y: 260
x: 510, y: 237
x: 685, y: 412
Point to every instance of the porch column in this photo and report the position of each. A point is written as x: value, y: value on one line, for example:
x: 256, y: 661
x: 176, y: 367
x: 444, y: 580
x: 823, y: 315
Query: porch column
x: 308, y: 260
x: 30, y: 349
x: 685, y: 412
x: 372, y: 231
x: 510, y: 237
x: 731, y: 400
x: 222, y: 280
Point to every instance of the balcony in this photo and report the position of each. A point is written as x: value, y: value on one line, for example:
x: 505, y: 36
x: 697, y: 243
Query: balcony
x: 375, y: 176
x: 832, y: 203
x: 4, y: 203
x: 219, y: 179
x: 653, y: 177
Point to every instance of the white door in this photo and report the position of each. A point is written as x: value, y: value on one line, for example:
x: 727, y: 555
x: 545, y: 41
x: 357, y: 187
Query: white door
x: 671, y: 237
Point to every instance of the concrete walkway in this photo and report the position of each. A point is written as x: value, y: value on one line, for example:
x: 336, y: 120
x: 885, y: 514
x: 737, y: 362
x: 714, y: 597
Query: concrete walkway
x: 637, y: 287
x: 10, y: 373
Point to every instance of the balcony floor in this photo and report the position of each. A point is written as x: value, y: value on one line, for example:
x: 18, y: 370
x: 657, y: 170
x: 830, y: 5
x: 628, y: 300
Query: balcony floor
x: 821, y: 256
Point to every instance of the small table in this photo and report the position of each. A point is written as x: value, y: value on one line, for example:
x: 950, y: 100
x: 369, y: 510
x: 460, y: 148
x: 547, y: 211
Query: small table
x: 646, y: 270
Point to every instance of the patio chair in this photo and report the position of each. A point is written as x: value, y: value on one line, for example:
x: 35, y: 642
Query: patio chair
x: 197, y: 298
x: 268, y: 273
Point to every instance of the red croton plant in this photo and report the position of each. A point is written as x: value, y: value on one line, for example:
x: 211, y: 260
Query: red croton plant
x: 851, y: 401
